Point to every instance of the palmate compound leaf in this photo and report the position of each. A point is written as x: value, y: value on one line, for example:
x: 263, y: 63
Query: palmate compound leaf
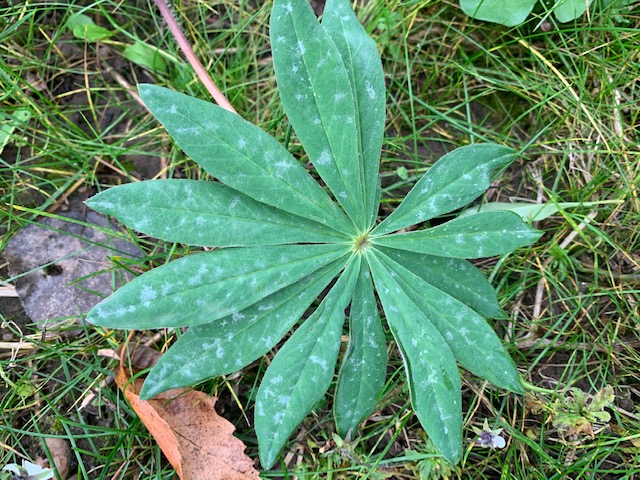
x: 206, y: 214
x: 473, y: 342
x: 452, y: 182
x: 364, y: 366
x: 333, y: 97
x: 232, y: 342
x: 300, y: 373
x: 242, y: 156
x: 203, y: 287
x: 432, y: 374
x: 475, y: 236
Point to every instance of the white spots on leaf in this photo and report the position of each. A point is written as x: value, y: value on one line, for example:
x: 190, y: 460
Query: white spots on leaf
x: 343, y: 195
x: 241, y: 143
x: 236, y: 316
x: 147, y: 294
x: 338, y: 96
x: 288, y: 7
x: 324, y: 158
x: 371, y: 92
x: 459, y: 239
x: 173, y: 109
x: 301, y: 48
x: 234, y: 202
x: 277, y: 417
x: 200, y: 221
x: 294, y: 69
x: 299, y: 97
x: 276, y: 380
x: 321, y: 362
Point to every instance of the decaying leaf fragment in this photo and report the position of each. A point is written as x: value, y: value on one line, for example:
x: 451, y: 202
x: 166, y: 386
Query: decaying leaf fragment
x: 198, y: 443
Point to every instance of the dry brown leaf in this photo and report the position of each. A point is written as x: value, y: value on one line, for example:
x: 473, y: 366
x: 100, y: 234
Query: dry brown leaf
x: 198, y: 443
x: 60, y: 454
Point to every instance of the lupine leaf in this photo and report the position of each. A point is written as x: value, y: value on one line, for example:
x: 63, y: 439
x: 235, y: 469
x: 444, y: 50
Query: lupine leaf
x: 364, y: 368
x: 457, y: 277
x: 434, y: 382
x: 300, y: 374
x: 364, y: 68
x: 206, y: 286
x: 471, y: 339
x: 242, y: 156
x: 452, y: 182
x: 475, y: 236
x: 318, y: 99
x: 205, y: 214
x: 232, y: 342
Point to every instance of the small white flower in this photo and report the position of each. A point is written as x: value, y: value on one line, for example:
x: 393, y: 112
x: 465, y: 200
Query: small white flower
x: 488, y: 438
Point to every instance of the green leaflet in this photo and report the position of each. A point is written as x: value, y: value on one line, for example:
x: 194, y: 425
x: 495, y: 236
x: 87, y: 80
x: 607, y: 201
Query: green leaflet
x: 452, y: 182
x: 456, y: 277
x: 232, y: 342
x: 364, y: 68
x: 301, y: 372
x: 206, y: 214
x: 318, y: 99
x: 473, y: 342
x: 475, y: 236
x: 434, y: 382
x: 567, y: 10
x: 504, y: 12
x: 242, y: 156
x: 364, y: 368
x: 203, y: 287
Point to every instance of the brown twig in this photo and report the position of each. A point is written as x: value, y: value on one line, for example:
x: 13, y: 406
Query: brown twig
x: 185, y: 46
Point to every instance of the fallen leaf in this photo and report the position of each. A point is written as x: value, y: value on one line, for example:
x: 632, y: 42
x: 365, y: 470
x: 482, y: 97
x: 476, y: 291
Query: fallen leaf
x: 60, y: 452
x: 198, y: 443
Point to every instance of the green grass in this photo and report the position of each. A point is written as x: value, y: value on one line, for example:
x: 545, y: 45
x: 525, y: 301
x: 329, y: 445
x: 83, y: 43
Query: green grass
x: 567, y: 98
